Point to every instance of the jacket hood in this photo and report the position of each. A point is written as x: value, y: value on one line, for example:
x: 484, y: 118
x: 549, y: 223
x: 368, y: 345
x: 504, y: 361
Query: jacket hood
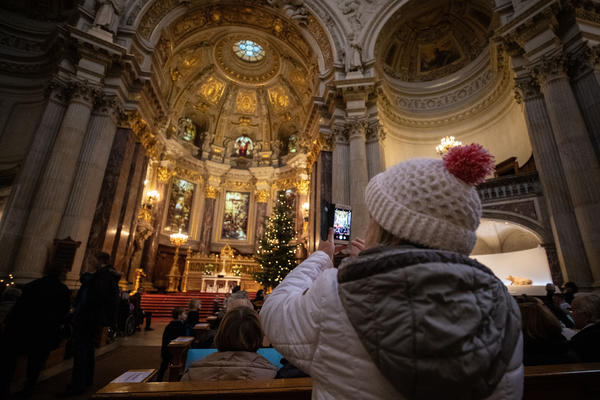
x: 437, y: 324
x: 232, y: 365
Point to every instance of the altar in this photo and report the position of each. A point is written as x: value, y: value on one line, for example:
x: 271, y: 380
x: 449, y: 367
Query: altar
x: 219, y: 273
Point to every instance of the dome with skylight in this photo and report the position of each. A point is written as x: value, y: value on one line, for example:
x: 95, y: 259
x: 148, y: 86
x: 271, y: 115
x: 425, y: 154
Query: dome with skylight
x: 248, y: 50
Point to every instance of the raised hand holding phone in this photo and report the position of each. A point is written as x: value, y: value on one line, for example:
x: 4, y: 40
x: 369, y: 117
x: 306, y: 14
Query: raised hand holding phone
x: 327, y: 245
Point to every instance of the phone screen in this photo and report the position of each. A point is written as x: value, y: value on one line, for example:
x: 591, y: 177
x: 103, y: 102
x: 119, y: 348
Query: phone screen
x: 341, y: 224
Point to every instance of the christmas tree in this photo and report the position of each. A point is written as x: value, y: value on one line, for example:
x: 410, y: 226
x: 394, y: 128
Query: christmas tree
x: 275, y: 255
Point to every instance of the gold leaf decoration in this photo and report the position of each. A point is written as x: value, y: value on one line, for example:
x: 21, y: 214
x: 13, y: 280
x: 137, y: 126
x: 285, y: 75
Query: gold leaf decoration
x: 279, y: 98
x: 246, y: 102
x: 212, y: 89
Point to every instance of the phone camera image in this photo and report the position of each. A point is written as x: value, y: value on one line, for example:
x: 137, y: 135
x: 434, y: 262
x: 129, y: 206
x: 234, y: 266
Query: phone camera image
x: 341, y: 224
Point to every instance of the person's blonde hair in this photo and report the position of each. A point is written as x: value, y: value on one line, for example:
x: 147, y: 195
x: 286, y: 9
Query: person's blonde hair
x: 240, y: 330
x: 377, y: 236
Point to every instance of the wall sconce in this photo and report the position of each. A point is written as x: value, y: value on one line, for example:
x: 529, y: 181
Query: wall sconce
x: 305, y: 209
x: 152, y: 197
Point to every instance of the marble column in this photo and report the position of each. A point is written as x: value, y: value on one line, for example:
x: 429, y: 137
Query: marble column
x: 54, y: 187
x: 585, y: 72
x: 210, y: 198
x: 358, y: 177
x: 580, y: 164
x: 19, y: 201
x: 261, y: 214
x: 340, y: 166
x: 111, y: 196
x: 79, y: 212
x: 151, y: 245
x: 569, y: 246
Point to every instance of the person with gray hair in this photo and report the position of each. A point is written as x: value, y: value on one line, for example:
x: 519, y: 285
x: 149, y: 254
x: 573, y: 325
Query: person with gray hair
x: 585, y: 310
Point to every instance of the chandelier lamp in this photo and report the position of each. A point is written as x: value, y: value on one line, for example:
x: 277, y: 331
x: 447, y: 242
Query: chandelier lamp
x: 446, y: 144
x: 177, y: 239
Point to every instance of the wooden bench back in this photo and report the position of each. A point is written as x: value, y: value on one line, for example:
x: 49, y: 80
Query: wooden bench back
x: 546, y: 382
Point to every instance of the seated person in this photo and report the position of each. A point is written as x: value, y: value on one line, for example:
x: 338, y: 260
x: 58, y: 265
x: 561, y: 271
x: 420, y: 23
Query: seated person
x: 193, y: 315
x: 259, y: 300
x: 543, y: 342
x: 585, y: 309
x: 173, y: 330
x: 238, y: 338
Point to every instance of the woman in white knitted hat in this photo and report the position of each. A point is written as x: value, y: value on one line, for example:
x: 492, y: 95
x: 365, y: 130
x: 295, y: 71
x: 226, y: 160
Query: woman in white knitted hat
x: 412, y: 317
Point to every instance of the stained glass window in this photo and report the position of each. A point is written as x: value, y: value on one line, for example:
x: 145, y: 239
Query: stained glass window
x: 235, y: 217
x: 248, y: 50
x: 180, y: 205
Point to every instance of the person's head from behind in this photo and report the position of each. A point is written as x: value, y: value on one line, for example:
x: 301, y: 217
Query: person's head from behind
x: 537, y: 322
x: 194, y: 305
x: 429, y: 203
x: 235, y: 302
x: 236, y: 289
x: 260, y: 295
x: 102, y: 259
x: 570, y: 287
x: 240, y: 330
x: 178, y: 314
x: 585, y: 309
x: 11, y: 294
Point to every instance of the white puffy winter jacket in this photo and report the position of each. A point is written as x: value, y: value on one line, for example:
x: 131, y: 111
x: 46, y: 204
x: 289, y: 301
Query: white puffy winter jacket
x: 306, y: 322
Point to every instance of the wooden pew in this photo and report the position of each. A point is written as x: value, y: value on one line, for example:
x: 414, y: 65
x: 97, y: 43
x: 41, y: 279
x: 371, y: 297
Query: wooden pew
x: 178, y: 348
x: 562, y: 381
x: 289, y: 389
x: 545, y: 382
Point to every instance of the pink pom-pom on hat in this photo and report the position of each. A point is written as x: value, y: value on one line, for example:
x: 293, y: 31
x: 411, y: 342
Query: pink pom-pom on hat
x: 470, y: 163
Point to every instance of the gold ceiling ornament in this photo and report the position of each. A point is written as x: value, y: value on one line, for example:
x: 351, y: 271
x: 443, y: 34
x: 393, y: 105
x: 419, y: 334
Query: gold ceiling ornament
x: 262, y: 196
x: 212, y: 89
x: 210, y: 192
x: 279, y: 98
x: 175, y: 74
x: 245, y: 102
x: 245, y: 121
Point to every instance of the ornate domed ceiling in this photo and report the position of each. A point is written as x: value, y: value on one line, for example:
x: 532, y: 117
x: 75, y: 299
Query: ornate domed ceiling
x: 429, y: 40
x: 250, y: 80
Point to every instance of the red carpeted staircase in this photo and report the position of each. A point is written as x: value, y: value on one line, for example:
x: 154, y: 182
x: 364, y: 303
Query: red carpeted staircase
x: 161, y: 305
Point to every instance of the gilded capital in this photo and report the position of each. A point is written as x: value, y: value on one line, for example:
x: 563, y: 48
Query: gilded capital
x: 262, y: 196
x: 303, y: 186
x: 210, y: 192
x: 164, y: 174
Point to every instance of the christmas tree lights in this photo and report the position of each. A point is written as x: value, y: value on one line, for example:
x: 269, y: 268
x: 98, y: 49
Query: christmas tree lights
x: 275, y: 255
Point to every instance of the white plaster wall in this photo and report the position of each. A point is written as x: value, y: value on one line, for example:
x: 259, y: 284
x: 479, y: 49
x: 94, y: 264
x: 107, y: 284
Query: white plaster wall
x: 502, y: 130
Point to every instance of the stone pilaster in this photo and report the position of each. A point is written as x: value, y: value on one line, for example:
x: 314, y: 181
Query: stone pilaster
x: 375, y: 154
x: 579, y: 162
x: 21, y: 195
x: 358, y: 177
x: 569, y: 246
x: 79, y: 213
x: 584, y: 68
x: 54, y: 186
x: 340, y: 165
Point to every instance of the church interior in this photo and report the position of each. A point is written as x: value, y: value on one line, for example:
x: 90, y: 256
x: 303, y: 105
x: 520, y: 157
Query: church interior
x: 163, y: 132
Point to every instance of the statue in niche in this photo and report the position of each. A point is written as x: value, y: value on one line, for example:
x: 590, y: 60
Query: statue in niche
x: 142, y: 232
x: 354, y: 54
x: 243, y: 146
x: 107, y: 15
x: 187, y: 129
x: 209, y: 138
x: 276, y: 148
x: 292, y: 146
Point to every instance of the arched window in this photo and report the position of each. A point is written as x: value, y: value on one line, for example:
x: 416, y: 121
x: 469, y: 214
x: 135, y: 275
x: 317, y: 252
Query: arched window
x: 249, y: 50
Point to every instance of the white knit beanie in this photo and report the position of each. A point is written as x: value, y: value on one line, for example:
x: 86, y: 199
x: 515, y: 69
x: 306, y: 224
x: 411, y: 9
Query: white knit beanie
x: 423, y: 202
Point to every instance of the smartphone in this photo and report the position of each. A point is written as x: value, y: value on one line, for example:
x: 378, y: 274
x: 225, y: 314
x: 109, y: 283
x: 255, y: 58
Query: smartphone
x: 342, y: 221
